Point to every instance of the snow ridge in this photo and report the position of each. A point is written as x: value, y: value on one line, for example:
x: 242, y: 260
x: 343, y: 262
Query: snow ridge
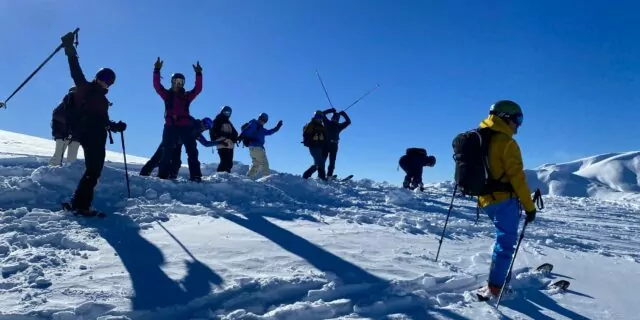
x: 605, y: 176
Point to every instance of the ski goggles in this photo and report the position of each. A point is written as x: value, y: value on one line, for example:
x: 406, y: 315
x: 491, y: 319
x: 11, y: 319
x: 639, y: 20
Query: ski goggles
x: 518, y: 119
x: 178, y: 82
x: 226, y: 113
x: 106, y: 80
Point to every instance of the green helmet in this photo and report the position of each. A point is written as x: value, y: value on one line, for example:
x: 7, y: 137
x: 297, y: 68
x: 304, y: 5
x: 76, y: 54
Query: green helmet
x: 507, y: 110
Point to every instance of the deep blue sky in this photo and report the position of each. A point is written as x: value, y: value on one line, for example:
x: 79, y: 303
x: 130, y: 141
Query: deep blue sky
x: 572, y: 65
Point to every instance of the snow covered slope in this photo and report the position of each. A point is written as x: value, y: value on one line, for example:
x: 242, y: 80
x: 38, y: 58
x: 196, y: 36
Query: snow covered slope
x: 607, y: 176
x: 16, y: 145
x: 284, y: 248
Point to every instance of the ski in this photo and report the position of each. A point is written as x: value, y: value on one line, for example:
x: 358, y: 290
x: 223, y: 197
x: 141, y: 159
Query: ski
x: 91, y: 213
x: 544, y: 268
x: 347, y: 178
x: 335, y: 178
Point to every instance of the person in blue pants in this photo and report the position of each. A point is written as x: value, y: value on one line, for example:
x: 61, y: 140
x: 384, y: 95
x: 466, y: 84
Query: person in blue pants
x: 503, y: 207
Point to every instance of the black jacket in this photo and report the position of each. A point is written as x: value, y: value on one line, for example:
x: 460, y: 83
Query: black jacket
x: 218, y: 130
x: 333, y: 129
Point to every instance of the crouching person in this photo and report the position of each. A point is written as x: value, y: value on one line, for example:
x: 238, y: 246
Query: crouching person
x: 198, y: 127
x: 412, y: 163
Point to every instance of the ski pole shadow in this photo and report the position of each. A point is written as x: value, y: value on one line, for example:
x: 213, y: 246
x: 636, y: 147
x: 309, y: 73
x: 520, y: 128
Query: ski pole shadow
x: 535, y: 301
x: 152, y: 287
x: 558, y: 275
x: 365, y: 288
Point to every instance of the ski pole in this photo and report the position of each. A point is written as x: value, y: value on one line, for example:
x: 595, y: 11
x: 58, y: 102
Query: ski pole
x: 358, y: 100
x: 4, y: 104
x: 324, y: 88
x: 126, y: 171
x: 447, y: 220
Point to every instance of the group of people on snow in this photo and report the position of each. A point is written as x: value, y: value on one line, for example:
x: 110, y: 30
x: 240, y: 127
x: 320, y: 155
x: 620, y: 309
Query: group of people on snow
x: 486, y: 154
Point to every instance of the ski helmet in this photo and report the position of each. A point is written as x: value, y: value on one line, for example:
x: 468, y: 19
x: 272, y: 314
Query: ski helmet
x: 207, y: 122
x: 177, y: 79
x: 226, y: 110
x: 264, y: 117
x: 318, y: 115
x: 106, y: 75
x: 508, y: 110
x: 177, y: 75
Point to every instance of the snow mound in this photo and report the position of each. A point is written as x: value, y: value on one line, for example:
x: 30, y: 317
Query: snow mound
x: 608, y: 176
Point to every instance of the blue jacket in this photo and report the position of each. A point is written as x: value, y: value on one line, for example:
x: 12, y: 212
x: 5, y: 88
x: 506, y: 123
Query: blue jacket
x: 256, y: 133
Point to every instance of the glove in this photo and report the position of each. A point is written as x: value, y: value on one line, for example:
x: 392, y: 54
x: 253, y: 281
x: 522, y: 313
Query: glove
x: 158, y: 65
x: 197, y: 68
x: 67, y: 43
x: 67, y: 39
x: 531, y: 215
x: 279, y: 124
x: 333, y: 110
x: 118, y: 127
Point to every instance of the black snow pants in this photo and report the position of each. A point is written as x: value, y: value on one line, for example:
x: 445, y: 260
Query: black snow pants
x: 170, y: 142
x: 226, y: 160
x: 319, y: 159
x: 93, y: 144
x: 154, y: 162
x: 331, y: 152
x: 413, y: 170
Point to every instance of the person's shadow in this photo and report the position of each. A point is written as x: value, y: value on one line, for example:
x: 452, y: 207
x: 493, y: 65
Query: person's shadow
x: 362, y: 287
x: 152, y: 287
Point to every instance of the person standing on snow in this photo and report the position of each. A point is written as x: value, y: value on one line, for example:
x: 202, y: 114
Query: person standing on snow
x: 505, y: 166
x: 199, y: 126
x: 61, y: 123
x: 254, y: 133
x: 412, y: 164
x: 92, y: 118
x: 333, y: 128
x: 314, y: 138
x: 177, y: 120
x: 223, y: 130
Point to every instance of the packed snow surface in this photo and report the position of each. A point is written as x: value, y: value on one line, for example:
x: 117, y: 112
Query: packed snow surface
x: 281, y: 247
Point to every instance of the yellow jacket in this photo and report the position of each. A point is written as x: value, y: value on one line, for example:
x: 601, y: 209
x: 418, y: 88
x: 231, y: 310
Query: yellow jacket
x: 505, y: 157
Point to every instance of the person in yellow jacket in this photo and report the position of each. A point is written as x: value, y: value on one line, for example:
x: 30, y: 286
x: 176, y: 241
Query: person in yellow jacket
x: 505, y: 165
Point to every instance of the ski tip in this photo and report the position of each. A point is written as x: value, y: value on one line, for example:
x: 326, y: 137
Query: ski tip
x: 545, y: 267
x: 561, y: 284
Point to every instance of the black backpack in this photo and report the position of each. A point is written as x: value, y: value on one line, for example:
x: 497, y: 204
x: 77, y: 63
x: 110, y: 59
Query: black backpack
x: 470, y: 153
x: 66, y: 109
x: 245, y: 140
